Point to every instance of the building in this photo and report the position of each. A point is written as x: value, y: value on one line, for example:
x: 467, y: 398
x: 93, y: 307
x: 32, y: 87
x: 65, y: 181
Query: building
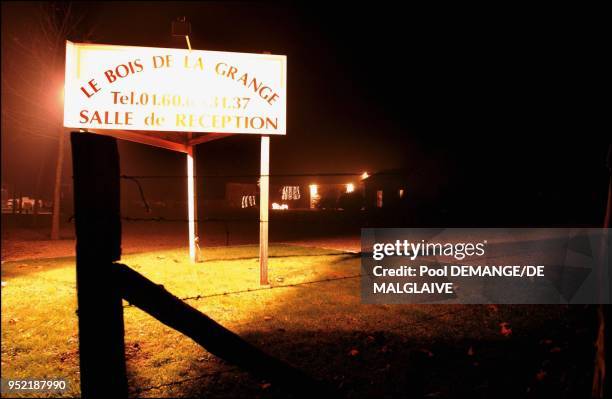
x: 388, y: 189
x: 297, y: 196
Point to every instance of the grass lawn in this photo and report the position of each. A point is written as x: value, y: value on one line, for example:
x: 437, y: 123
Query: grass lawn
x: 320, y: 327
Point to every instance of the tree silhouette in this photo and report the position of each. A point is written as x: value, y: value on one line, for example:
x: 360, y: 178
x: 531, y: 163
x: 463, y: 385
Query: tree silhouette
x: 33, y: 80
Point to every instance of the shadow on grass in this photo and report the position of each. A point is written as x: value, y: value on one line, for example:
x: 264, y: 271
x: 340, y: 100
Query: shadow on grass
x: 553, y: 360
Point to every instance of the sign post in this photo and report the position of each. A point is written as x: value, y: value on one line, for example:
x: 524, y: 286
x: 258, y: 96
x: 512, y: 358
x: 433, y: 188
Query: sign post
x: 166, y: 97
x: 174, y: 90
x: 191, y: 204
x: 264, y: 187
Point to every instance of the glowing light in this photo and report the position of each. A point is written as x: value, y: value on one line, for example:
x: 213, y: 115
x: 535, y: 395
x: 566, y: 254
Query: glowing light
x: 401, y: 193
x: 350, y: 187
x: 291, y: 193
x: 279, y: 207
x: 191, y: 205
x: 364, y: 175
x: 248, y: 201
x: 314, y: 196
x: 314, y: 190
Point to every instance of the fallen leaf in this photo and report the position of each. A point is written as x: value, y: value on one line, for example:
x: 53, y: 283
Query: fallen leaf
x: 353, y: 352
x: 267, y: 318
x: 265, y: 385
x: 556, y: 349
x: 541, y: 375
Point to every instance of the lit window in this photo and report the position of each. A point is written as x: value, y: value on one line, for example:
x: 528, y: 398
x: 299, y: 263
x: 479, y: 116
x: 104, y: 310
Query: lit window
x: 313, y: 190
x: 248, y: 201
x: 291, y: 193
x: 314, y: 196
x: 379, y: 198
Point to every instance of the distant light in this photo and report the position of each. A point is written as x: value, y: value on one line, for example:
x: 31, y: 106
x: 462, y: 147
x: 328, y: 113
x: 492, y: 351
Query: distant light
x: 350, y: 187
x: 291, y: 193
x: 401, y: 193
x: 379, y: 198
x: 314, y: 190
x: 248, y: 201
x: 364, y: 175
x: 314, y: 196
x: 279, y: 207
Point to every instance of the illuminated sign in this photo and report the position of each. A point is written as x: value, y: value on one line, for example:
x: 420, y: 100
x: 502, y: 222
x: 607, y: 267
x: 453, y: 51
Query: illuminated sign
x: 147, y: 88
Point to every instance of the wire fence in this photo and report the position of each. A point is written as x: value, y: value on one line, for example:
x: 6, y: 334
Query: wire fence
x: 233, y: 200
x: 160, y: 197
x: 265, y: 288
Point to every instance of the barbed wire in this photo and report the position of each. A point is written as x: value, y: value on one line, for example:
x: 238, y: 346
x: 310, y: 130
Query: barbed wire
x: 142, y: 195
x: 292, y: 285
x: 253, y: 175
x: 184, y: 220
x: 135, y: 179
x: 162, y: 219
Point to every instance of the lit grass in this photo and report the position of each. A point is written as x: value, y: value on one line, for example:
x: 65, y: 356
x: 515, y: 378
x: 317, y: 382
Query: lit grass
x: 39, y: 323
x: 312, y: 325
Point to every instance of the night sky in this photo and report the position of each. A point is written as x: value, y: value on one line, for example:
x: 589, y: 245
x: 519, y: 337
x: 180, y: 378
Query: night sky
x: 501, y: 104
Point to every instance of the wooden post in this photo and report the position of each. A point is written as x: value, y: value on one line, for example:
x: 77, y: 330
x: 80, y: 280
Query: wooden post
x: 600, y: 387
x: 14, y: 200
x: 98, y: 244
x: 216, y: 339
x: 264, y: 188
x: 191, y: 205
x: 57, y: 189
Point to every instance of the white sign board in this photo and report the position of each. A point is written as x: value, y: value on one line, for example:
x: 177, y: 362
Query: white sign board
x: 161, y: 89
